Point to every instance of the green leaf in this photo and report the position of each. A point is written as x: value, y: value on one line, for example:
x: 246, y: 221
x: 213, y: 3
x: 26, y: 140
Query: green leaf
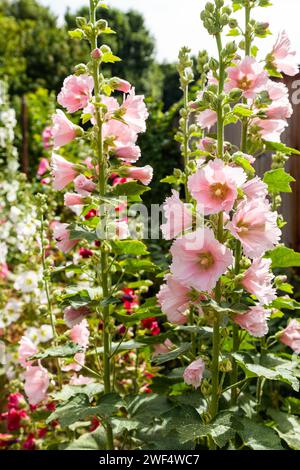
x: 137, y: 266
x: 126, y: 346
x: 283, y: 257
x: 258, y: 436
x: 242, y: 111
x: 280, y: 147
x: 245, y: 164
x: 136, y: 317
x: 76, y: 34
x: 171, y: 179
x: 67, y: 350
x: 278, y: 181
x: 130, y: 247
x: 95, y: 440
x: 109, y: 58
x: 130, y: 189
x: 234, y: 32
x: 288, y: 427
x: 221, y: 430
x: 78, y: 408
x: 78, y: 232
x: 286, y: 302
x: 257, y: 370
x: 170, y: 356
x: 69, y: 391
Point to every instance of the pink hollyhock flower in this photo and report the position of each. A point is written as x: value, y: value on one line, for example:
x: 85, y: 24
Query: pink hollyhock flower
x: 80, y: 333
x: 255, y: 225
x: 136, y: 112
x: 47, y: 137
x: 284, y: 57
x: 255, y: 321
x: 26, y: 349
x: 162, y: 348
x: 199, y: 260
x: 63, y: 172
x: 3, y: 270
x: 44, y: 166
x: 207, y: 119
x: 80, y: 380
x: 258, y: 281
x: 193, y: 374
x: 144, y: 174
x: 122, y: 229
x: 291, y: 335
x: 36, y: 384
x: 280, y: 109
x: 179, y: 217
x: 214, y: 187
x: 121, y: 85
x: 83, y: 185
x: 174, y: 300
x: 247, y: 75
x: 111, y: 106
x: 130, y: 153
x: 72, y: 199
x: 270, y: 129
x: 122, y: 134
x: 277, y: 90
x: 77, y: 364
x: 207, y: 144
x: 255, y: 188
x: 76, y: 92
x: 62, y: 237
x: 63, y: 130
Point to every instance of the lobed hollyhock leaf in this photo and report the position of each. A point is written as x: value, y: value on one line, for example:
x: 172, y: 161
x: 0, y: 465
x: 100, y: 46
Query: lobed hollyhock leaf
x: 129, y: 247
x: 279, y: 373
x: 95, y: 440
x: 67, y: 350
x: 80, y: 232
x: 283, y: 257
x: 257, y: 436
x: 278, y: 181
x: 280, y: 147
x: 287, y: 427
x: 126, y: 346
x: 132, y: 188
x: 78, y: 408
x: 69, y: 391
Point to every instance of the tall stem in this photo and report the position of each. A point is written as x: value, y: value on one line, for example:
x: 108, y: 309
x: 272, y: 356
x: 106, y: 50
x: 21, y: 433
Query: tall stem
x: 102, y: 186
x: 47, y: 291
x: 214, y: 405
x: 186, y: 139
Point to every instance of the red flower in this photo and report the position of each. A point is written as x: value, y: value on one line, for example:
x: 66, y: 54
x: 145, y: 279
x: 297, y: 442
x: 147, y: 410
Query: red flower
x: 85, y: 253
x: 95, y: 424
x: 29, y: 444
x: 129, y: 299
x: 92, y: 213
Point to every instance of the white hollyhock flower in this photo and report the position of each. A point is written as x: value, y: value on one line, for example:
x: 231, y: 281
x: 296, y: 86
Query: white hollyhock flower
x: 10, y: 313
x: 26, y: 281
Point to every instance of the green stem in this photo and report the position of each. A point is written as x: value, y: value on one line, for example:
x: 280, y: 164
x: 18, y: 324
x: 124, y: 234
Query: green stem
x: 214, y: 405
x: 235, y: 329
x: 48, y: 296
x: 186, y: 140
x: 247, y: 53
x: 102, y: 186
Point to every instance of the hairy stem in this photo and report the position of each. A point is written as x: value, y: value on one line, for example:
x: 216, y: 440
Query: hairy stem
x: 102, y: 185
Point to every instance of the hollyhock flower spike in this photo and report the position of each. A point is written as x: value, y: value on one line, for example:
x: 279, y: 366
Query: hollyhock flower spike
x: 255, y: 226
x: 63, y: 172
x: 283, y: 56
x: 199, y: 260
x: 255, y: 321
x: 215, y: 186
x: 290, y: 336
x: 178, y: 217
x: 193, y: 374
x: 76, y: 92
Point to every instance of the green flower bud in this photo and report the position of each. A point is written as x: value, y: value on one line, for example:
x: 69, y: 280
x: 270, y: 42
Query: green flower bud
x: 210, y: 7
x: 226, y: 365
x: 206, y: 388
x: 235, y: 95
x: 80, y: 69
x: 81, y: 22
x: 105, y: 49
x: 101, y: 25
x: 233, y: 23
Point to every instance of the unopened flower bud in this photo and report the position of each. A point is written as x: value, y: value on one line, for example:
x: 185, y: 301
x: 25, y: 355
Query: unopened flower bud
x: 233, y: 23
x: 96, y: 54
x: 80, y: 69
x: 102, y: 25
x: 105, y: 49
x: 206, y: 387
x: 226, y: 365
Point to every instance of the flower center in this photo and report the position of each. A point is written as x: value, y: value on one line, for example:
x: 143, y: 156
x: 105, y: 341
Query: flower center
x: 219, y: 190
x: 244, y: 83
x: 206, y: 260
